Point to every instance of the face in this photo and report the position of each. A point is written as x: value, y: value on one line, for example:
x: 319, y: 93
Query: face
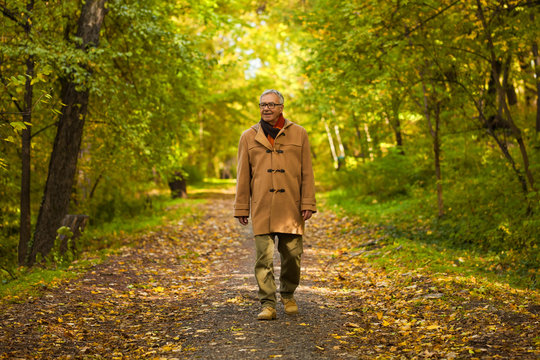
x: 271, y: 115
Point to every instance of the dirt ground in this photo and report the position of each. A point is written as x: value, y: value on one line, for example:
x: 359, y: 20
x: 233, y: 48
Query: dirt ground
x: 187, y: 291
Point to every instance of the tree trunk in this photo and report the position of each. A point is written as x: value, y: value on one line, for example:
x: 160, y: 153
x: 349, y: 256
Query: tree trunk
x: 536, y: 60
x: 331, y: 143
x: 502, y: 97
x: 393, y: 119
x: 25, y: 226
x: 437, y: 154
x: 375, y: 138
x: 396, y: 128
x: 363, y: 151
x: 63, y: 163
x: 25, y: 222
x: 340, y: 143
x: 341, y: 157
x: 434, y: 131
x: 399, y: 136
x: 503, y: 146
x: 94, y: 187
x: 369, y: 142
x: 396, y: 104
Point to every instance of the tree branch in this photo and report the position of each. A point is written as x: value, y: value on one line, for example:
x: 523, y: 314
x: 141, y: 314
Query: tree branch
x: 43, y: 129
x: 423, y: 22
x: 420, y: 25
x: 452, y: 48
x: 42, y: 95
x: 9, y: 272
x: 10, y: 15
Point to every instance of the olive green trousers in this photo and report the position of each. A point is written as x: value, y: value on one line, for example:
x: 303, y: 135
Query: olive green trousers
x: 290, y: 250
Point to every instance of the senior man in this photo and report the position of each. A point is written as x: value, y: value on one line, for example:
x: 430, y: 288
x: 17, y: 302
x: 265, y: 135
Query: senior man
x: 275, y: 182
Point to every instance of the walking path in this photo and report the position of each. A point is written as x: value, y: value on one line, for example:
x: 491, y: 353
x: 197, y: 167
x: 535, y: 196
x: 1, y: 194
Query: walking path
x: 187, y: 291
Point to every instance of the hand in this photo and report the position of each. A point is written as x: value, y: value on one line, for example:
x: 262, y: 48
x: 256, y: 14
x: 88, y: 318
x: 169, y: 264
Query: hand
x: 306, y: 214
x: 242, y: 220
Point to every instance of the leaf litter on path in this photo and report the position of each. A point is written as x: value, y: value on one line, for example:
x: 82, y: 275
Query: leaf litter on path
x: 187, y: 291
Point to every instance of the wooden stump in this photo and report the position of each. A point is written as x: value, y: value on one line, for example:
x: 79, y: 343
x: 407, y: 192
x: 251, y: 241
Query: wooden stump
x: 178, y: 186
x: 76, y: 223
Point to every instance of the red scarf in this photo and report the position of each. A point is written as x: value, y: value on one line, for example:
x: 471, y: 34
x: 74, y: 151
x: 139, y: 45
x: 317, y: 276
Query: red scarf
x: 278, y: 125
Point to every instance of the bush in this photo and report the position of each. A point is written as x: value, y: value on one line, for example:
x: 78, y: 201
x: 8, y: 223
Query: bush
x: 485, y: 208
x: 383, y: 179
x: 114, y: 205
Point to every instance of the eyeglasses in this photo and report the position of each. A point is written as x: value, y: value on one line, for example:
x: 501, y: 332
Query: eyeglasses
x: 269, y: 105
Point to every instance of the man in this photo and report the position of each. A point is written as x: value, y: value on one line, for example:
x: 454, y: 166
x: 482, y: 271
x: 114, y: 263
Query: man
x: 275, y: 182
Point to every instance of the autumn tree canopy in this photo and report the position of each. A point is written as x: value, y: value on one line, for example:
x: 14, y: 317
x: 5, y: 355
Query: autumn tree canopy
x: 432, y: 104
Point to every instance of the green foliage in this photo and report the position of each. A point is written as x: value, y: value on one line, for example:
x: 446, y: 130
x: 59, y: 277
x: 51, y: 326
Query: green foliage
x: 383, y: 69
x: 150, y: 77
x: 486, y: 211
x: 59, y: 255
x: 385, y: 178
x: 194, y: 174
x: 117, y: 204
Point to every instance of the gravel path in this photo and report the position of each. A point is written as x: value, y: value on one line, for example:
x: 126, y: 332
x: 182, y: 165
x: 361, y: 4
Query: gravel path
x: 229, y: 329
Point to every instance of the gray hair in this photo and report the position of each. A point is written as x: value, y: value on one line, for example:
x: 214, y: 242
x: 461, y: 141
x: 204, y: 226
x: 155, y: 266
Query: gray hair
x: 272, y: 91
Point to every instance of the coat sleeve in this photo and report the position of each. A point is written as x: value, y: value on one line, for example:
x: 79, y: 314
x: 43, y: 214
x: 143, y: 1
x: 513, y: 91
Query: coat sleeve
x: 243, y: 180
x: 308, y: 180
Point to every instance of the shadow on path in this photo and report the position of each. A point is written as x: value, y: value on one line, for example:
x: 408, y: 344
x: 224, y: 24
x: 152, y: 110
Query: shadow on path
x: 229, y: 329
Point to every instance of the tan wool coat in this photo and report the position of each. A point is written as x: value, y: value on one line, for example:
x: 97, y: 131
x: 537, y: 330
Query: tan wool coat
x: 275, y: 182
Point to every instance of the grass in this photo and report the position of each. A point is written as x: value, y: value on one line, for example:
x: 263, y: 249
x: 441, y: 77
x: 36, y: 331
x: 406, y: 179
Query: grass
x: 29, y: 282
x: 99, y: 241
x: 412, y: 242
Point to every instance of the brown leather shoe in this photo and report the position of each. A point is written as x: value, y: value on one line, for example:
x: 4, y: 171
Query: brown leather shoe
x: 267, y: 313
x: 290, y: 306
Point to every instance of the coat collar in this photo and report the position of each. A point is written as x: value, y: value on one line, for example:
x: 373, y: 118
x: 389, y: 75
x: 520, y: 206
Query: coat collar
x: 262, y: 139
